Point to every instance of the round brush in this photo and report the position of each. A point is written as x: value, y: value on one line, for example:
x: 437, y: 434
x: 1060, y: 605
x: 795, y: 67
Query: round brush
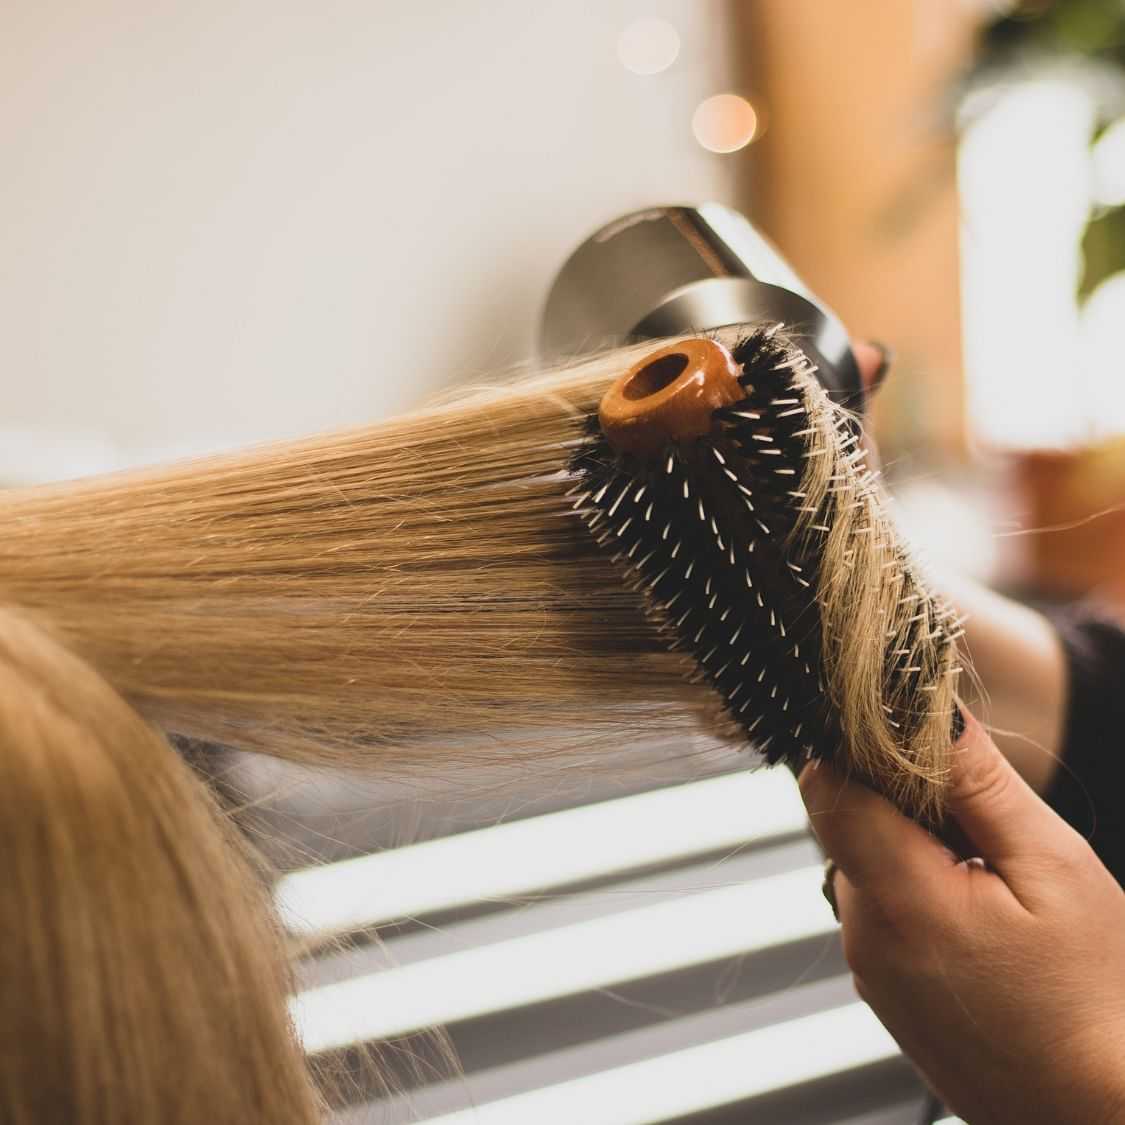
x: 735, y: 495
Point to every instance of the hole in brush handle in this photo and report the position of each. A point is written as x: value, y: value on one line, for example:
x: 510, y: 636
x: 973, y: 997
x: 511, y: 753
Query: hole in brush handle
x: 654, y: 375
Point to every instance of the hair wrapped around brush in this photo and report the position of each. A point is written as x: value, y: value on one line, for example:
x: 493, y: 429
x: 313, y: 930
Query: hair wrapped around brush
x: 736, y: 497
x: 412, y: 596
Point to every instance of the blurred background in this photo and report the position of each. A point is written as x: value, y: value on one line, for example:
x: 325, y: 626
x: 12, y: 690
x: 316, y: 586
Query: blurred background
x: 226, y: 223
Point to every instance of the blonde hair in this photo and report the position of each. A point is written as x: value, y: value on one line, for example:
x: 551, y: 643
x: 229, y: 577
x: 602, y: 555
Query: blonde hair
x: 889, y: 644
x: 143, y: 977
x: 416, y: 594
x: 406, y: 591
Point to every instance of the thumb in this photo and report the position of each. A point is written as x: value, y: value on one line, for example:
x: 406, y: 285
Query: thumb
x: 1001, y: 815
x: 874, y: 360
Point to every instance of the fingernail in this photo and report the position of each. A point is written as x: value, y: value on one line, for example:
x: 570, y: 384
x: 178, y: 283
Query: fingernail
x: 888, y: 354
x: 958, y: 724
x: 828, y: 888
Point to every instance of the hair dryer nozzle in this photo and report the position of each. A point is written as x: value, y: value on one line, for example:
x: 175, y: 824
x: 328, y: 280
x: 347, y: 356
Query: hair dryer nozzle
x: 672, y: 270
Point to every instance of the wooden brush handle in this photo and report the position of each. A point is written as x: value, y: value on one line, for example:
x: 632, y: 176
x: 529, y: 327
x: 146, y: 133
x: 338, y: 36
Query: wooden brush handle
x: 670, y: 395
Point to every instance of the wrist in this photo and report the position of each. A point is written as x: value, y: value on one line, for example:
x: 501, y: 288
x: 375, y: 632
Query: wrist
x: 1099, y: 1091
x: 1021, y: 665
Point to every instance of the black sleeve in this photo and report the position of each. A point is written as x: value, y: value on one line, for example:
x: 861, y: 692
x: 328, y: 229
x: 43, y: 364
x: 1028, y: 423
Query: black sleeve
x: 1089, y: 786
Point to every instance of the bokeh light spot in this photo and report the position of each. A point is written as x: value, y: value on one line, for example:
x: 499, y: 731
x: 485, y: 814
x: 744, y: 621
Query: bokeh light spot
x: 648, y: 46
x: 724, y: 123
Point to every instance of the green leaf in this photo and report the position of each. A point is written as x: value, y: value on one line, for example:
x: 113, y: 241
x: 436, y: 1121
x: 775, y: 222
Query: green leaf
x: 1103, y: 250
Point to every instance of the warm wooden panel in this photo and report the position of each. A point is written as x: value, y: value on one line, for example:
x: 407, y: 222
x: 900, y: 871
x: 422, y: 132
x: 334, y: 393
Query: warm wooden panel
x: 854, y: 177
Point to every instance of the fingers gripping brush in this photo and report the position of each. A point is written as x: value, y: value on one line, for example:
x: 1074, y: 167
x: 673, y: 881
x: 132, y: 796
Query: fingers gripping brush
x: 734, y: 495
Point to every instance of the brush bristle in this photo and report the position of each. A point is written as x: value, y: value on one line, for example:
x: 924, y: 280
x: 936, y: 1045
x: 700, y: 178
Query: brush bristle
x: 763, y: 550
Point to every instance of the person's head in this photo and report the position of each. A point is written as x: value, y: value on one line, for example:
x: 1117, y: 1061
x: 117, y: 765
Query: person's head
x: 142, y: 976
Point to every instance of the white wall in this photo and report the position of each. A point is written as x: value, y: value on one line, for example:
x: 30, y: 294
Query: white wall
x: 227, y: 221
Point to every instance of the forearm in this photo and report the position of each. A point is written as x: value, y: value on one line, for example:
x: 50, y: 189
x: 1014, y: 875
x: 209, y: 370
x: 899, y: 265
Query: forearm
x: 1020, y: 677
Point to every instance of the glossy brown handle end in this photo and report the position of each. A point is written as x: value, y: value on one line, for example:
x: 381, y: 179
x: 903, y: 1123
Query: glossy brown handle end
x: 669, y: 395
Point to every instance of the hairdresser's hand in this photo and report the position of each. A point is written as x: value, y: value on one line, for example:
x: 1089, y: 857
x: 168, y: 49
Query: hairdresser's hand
x: 1005, y: 984
x: 874, y: 362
